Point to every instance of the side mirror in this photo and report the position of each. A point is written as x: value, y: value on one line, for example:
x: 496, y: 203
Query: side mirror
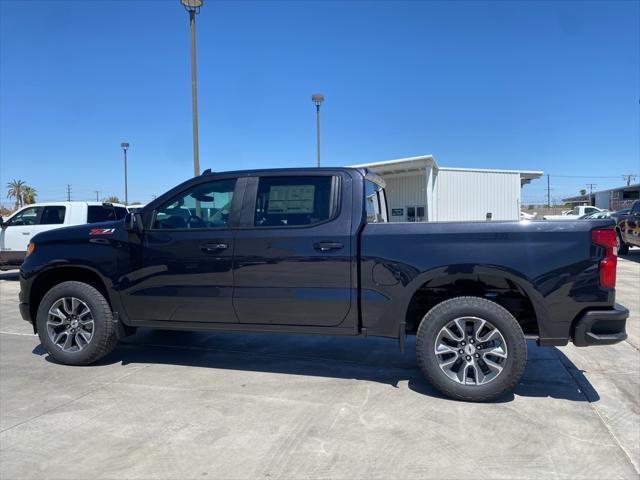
x: 133, y: 223
x: 3, y: 224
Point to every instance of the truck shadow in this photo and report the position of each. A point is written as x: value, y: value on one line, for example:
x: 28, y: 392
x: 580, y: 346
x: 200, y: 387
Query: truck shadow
x: 633, y: 255
x: 13, y: 275
x: 549, y: 372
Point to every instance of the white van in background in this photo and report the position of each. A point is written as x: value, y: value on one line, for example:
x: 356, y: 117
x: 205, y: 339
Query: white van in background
x: 21, y: 226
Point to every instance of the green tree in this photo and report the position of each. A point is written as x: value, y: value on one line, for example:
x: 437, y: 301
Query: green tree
x: 15, y: 190
x: 583, y: 192
x: 111, y: 199
x: 29, y: 195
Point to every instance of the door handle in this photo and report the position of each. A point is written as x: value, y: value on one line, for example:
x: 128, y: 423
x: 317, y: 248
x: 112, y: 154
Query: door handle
x: 214, y: 247
x: 326, y: 246
x: 26, y: 233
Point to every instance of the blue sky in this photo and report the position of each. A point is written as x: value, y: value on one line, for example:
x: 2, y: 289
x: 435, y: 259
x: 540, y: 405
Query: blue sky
x: 550, y: 86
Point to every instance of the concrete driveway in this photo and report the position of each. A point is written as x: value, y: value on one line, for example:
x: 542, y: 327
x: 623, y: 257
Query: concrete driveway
x: 202, y: 405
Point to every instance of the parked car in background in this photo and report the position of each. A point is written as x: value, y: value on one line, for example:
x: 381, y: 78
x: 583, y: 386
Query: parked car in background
x: 596, y: 215
x: 21, y: 226
x: 628, y: 228
x: 310, y: 250
x: 575, y: 213
x: 527, y: 216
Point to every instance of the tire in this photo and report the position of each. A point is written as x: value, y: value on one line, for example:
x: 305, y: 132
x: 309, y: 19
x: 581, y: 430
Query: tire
x: 623, y: 248
x: 96, y: 331
x: 478, y: 385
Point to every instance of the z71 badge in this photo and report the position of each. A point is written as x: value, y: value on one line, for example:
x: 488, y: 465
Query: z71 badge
x: 102, y: 231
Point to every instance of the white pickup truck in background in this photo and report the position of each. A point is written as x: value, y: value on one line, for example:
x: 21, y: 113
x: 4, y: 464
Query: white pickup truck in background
x: 574, y: 214
x: 21, y: 226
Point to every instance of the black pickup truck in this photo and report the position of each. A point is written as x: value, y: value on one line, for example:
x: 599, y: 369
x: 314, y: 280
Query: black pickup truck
x: 310, y: 251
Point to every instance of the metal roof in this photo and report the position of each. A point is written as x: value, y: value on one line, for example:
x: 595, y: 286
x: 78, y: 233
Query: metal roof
x: 412, y: 164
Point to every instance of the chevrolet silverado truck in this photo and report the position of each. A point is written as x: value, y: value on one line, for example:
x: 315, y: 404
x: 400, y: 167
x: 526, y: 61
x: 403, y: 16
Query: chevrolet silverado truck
x: 311, y: 251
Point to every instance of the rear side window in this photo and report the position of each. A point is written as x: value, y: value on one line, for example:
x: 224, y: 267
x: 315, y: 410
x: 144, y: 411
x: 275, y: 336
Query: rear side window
x: 53, y: 215
x: 374, y: 203
x: 121, y: 212
x: 295, y: 201
x: 101, y: 213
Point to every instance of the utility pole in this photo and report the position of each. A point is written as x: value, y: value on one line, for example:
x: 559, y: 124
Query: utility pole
x: 97, y: 195
x: 591, y: 187
x: 68, y: 192
x: 548, y: 192
x: 628, y: 178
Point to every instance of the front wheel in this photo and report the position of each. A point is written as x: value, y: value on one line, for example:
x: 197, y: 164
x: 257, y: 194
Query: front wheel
x: 470, y: 348
x: 75, y: 324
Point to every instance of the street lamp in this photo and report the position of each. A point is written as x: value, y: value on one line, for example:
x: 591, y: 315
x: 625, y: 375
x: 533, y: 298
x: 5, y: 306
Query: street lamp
x: 125, y: 146
x: 193, y: 7
x: 317, y: 99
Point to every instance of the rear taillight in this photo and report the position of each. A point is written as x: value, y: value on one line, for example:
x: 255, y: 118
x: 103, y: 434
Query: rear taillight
x: 606, y: 237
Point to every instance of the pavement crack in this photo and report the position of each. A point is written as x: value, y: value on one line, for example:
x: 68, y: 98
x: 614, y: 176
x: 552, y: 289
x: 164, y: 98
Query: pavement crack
x: 584, y: 389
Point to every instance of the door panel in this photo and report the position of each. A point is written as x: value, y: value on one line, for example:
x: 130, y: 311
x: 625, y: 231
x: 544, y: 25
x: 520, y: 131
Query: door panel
x: 183, y: 279
x: 185, y: 271
x: 20, y: 228
x: 293, y: 265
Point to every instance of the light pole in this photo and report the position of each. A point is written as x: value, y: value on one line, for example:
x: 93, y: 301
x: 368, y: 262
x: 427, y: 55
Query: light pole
x: 125, y: 146
x: 193, y: 7
x: 317, y: 99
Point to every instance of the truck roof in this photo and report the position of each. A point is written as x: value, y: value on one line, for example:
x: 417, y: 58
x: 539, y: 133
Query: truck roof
x: 365, y: 172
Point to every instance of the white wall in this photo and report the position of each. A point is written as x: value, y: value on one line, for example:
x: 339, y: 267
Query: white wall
x: 404, y: 190
x: 602, y: 199
x: 468, y: 195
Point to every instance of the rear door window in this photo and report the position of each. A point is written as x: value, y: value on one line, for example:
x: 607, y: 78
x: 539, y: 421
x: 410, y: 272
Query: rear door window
x: 53, y: 215
x: 121, y: 212
x: 295, y: 201
x: 101, y: 213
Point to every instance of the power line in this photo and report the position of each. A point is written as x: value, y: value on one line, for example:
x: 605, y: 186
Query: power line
x: 628, y: 177
x: 582, y: 176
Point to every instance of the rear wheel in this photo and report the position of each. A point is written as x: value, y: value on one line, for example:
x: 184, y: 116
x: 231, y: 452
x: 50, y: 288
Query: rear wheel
x: 470, y: 348
x: 75, y: 324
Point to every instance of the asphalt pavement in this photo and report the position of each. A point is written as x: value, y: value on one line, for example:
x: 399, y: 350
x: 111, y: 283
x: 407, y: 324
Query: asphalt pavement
x: 181, y: 405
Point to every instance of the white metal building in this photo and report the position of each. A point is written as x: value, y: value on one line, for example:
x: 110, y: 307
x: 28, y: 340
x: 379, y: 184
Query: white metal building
x: 419, y: 190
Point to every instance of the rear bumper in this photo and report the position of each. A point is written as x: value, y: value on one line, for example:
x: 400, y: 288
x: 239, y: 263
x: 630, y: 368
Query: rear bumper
x: 601, y: 327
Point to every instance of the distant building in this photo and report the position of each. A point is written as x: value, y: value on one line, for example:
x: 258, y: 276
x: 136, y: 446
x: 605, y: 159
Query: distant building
x: 419, y: 190
x: 617, y: 198
x: 611, y: 199
x: 577, y: 200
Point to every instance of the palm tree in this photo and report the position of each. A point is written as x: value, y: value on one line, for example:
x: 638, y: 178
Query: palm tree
x: 16, y: 190
x: 111, y: 199
x: 29, y: 195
